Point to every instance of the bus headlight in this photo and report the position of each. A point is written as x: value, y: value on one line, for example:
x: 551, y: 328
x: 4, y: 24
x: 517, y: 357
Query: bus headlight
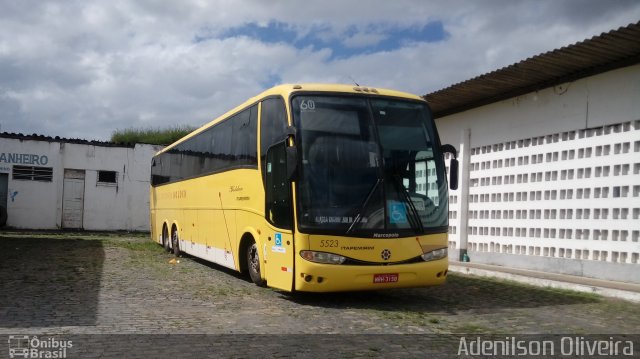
x: 435, y: 254
x: 322, y: 257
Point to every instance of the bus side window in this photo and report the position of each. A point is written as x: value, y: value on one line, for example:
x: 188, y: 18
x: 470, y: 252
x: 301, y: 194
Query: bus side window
x: 278, y: 196
x: 273, y: 125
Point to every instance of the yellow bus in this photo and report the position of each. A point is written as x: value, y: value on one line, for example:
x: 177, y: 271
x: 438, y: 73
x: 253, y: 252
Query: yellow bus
x: 311, y: 187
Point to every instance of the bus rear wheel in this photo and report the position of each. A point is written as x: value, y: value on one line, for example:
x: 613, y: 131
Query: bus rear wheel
x: 175, y: 242
x: 253, y: 265
x: 166, y: 243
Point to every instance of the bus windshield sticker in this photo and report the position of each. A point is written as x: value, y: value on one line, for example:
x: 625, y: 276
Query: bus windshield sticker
x: 338, y: 219
x: 397, y: 212
x: 307, y: 106
x: 419, y: 203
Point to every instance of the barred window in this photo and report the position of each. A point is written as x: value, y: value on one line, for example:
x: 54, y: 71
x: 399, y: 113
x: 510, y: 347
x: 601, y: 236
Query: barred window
x: 32, y: 173
x: 107, y: 177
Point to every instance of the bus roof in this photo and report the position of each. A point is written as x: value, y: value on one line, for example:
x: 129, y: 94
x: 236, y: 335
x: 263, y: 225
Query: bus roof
x: 285, y: 90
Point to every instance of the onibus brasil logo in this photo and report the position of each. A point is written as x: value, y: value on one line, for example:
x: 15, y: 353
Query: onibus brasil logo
x: 24, y: 346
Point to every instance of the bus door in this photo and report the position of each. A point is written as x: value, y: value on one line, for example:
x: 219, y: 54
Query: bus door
x: 278, y: 249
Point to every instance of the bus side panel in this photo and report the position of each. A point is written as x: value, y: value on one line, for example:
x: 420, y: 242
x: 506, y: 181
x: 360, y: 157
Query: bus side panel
x: 216, y: 219
x: 152, y: 224
x: 206, y: 211
x: 242, y: 196
x: 201, y: 239
x: 188, y: 230
x: 207, y: 231
x: 154, y: 229
x: 224, y: 242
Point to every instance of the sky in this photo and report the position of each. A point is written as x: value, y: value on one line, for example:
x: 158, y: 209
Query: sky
x: 82, y: 69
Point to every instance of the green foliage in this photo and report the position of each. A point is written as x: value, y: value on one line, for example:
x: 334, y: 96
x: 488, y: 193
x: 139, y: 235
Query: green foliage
x: 153, y: 136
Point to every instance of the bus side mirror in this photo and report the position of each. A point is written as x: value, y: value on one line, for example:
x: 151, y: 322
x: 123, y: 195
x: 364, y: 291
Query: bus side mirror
x: 292, y: 162
x: 453, y: 165
x: 453, y: 174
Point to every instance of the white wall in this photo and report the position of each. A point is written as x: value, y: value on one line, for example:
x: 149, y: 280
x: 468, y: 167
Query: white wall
x: 122, y: 206
x: 553, y: 173
x: 34, y: 204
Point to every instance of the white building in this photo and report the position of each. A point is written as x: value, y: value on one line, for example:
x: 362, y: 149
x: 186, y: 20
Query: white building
x: 549, y: 152
x: 48, y: 183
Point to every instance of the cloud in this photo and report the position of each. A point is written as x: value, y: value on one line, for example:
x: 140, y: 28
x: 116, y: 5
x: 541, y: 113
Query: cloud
x: 85, y: 68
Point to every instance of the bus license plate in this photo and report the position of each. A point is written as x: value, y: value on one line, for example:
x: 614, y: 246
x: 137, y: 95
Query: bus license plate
x: 385, y: 278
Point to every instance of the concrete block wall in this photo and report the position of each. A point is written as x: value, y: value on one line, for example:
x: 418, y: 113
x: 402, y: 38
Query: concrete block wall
x: 551, y: 180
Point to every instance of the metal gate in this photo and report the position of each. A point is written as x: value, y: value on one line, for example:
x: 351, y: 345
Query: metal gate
x: 73, y: 199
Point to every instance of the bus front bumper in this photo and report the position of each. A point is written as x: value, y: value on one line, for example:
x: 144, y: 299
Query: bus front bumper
x: 316, y: 277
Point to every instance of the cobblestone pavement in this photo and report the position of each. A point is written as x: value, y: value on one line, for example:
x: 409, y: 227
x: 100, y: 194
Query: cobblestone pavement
x: 86, y: 283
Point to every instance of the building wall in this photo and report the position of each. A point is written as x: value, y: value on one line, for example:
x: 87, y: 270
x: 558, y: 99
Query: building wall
x: 121, y: 205
x: 551, y: 180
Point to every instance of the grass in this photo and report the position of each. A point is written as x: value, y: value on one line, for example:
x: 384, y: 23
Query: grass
x: 153, y: 136
x: 79, y: 235
x: 135, y: 245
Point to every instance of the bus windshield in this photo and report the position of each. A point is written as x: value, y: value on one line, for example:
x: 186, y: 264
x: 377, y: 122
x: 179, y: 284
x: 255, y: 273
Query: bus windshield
x: 370, y: 166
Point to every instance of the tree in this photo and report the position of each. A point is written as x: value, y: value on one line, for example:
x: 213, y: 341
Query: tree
x: 152, y: 136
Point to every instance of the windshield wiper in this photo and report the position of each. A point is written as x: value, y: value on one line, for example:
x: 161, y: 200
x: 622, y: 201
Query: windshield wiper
x: 414, y: 219
x: 364, y: 205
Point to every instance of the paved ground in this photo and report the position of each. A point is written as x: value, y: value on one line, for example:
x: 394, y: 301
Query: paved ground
x: 70, y: 283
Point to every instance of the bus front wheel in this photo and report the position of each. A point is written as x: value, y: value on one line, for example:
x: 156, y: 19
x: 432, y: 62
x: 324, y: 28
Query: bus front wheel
x: 253, y: 264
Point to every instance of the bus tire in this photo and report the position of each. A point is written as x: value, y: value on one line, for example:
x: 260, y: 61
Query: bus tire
x: 166, y: 243
x: 3, y: 216
x: 175, y: 243
x: 253, y: 264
